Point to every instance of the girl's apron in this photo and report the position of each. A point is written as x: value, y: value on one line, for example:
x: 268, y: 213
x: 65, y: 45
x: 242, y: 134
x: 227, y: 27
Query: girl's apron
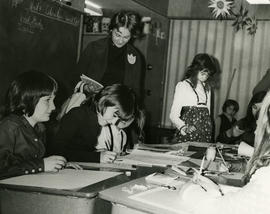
x: 199, y: 117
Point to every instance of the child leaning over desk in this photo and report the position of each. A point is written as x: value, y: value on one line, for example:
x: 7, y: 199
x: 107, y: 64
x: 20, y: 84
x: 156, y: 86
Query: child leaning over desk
x: 254, y: 197
x: 29, y: 102
x: 84, y: 132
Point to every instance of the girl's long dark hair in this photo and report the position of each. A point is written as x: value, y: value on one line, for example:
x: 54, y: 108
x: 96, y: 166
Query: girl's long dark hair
x: 200, y: 62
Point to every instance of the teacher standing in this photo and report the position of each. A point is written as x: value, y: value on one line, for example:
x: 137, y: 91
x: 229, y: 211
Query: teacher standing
x: 114, y: 59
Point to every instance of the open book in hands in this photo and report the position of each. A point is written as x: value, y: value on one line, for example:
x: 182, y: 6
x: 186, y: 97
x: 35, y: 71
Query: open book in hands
x: 90, y: 84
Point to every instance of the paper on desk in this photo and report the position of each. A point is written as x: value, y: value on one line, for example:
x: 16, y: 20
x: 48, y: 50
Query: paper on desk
x: 141, y: 157
x: 168, y: 199
x: 67, y: 179
x: 163, y: 198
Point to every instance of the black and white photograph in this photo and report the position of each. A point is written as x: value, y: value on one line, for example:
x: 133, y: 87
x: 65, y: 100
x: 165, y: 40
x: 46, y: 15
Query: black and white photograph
x: 134, y: 106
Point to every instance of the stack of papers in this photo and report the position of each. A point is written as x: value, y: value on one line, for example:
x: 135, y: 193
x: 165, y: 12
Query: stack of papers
x: 150, y: 158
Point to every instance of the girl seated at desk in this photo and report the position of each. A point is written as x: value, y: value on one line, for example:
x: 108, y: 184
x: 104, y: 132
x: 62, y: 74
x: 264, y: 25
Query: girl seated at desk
x: 254, y: 197
x: 85, y: 132
x: 244, y: 129
x: 29, y: 102
x: 226, y: 120
x: 190, y: 111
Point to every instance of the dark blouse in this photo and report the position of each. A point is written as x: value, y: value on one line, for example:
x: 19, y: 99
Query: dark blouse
x: 21, y: 147
x: 95, y: 62
x: 115, y: 71
x: 76, y: 138
x: 226, y: 123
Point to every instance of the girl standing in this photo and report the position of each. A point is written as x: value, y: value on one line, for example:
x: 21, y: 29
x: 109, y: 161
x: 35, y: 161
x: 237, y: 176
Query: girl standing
x: 190, y: 111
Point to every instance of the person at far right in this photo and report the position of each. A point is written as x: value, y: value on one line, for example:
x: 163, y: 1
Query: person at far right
x: 254, y: 197
x: 190, y: 111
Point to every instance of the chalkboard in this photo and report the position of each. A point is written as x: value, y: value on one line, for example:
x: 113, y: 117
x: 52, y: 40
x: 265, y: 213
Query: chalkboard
x: 41, y: 35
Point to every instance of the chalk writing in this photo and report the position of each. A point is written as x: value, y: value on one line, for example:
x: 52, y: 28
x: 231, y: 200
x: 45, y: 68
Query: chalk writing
x: 51, y: 11
x: 30, y: 23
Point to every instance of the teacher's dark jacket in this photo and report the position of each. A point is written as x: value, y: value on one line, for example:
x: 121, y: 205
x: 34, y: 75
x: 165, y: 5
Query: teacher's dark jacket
x: 93, y: 63
x: 21, y: 147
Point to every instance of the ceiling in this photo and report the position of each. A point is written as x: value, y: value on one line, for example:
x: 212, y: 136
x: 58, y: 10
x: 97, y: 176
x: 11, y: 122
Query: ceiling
x: 111, y: 6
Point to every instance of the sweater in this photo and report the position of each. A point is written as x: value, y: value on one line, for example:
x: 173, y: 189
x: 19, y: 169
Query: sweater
x: 76, y: 138
x: 94, y: 63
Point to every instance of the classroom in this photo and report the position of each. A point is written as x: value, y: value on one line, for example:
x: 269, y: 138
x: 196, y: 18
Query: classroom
x: 134, y: 106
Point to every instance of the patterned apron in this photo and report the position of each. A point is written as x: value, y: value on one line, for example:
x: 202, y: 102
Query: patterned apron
x: 199, y: 117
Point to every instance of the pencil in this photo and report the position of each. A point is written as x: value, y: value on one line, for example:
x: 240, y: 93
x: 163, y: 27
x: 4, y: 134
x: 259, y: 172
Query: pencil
x: 107, y: 146
x: 201, y: 167
x: 222, y: 158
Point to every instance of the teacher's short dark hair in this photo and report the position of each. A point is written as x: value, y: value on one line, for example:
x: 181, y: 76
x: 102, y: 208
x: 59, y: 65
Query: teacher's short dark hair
x: 129, y: 19
x: 25, y: 91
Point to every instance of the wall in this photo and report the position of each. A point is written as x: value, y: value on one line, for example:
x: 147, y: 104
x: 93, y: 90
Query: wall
x: 198, y: 9
x: 159, y: 6
x: 248, y: 54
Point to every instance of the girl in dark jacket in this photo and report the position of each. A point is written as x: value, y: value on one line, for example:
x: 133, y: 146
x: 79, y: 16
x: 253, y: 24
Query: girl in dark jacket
x: 29, y: 102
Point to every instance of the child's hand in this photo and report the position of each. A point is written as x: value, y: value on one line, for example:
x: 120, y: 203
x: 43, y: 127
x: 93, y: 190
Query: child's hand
x: 54, y: 163
x: 107, y: 157
x: 188, y: 129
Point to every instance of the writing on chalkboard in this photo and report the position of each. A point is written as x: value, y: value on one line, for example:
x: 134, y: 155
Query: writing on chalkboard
x: 48, y: 9
x: 30, y: 24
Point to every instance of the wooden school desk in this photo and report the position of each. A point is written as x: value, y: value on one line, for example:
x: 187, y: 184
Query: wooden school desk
x: 35, y: 200
x: 122, y: 204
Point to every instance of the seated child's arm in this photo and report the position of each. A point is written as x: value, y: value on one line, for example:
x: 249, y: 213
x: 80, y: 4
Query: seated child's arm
x: 12, y: 164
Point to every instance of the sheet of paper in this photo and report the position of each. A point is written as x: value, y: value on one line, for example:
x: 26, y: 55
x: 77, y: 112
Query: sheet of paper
x: 141, y: 157
x: 168, y: 199
x: 67, y: 179
x: 162, y: 198
x: 229, y: 189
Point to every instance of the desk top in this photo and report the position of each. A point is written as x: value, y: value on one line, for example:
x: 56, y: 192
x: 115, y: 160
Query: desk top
x: 123, y: 199
x: 90, y: 191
